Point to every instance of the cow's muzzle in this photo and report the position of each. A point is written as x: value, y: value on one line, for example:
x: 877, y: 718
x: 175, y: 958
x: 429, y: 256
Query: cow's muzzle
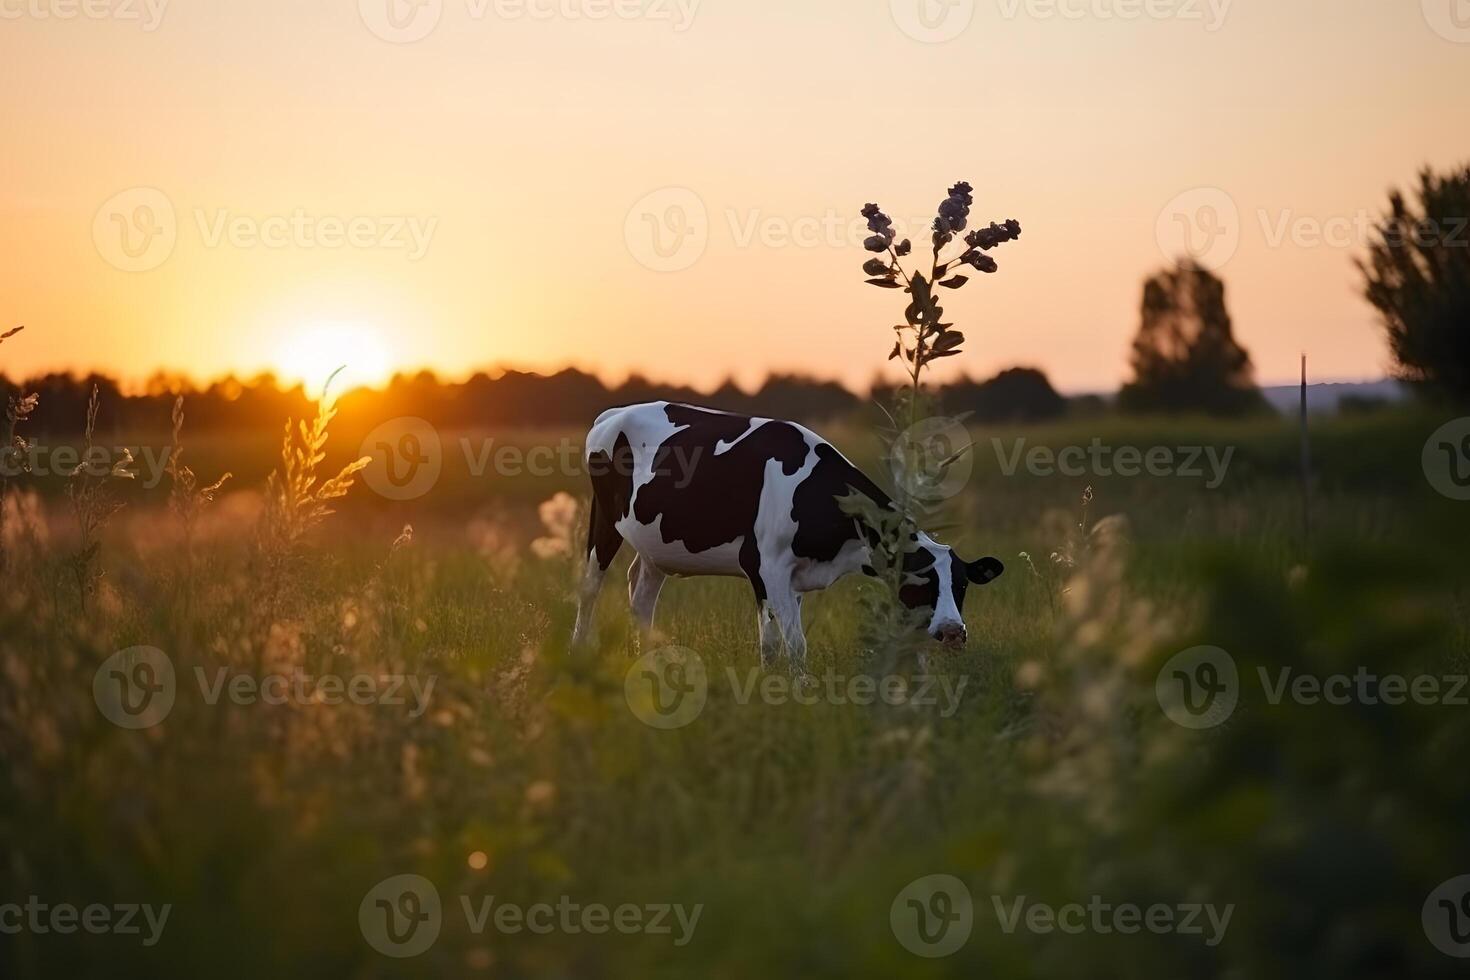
x: 951, y: 634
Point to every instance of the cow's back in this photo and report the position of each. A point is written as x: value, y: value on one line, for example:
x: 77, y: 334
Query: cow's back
x: 693, y: 487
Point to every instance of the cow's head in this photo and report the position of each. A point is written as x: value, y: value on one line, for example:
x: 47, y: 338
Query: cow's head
x: 944, y: 576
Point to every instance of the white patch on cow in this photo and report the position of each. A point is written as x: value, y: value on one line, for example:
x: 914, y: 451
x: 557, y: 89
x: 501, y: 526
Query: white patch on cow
x: 814, y: 576
x: 672, y: 557
x: 775, y: 525
x: 646, y: 428
x: 945, y: 613
x: 722, y: 447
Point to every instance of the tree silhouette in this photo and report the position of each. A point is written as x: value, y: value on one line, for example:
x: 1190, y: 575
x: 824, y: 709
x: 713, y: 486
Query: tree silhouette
x: 1417, y: 275
x: 1185, y: 357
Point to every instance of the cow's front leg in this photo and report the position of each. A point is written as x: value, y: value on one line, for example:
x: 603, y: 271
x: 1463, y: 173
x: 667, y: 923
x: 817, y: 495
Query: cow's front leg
x: 785, y: 605
x: 770, y: 635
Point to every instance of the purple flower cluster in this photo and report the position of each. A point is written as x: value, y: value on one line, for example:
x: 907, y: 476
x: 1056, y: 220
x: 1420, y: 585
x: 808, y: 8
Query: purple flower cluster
x: 953, y: 218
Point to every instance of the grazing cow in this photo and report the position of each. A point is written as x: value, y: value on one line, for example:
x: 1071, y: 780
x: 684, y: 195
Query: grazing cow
x: 701, y: 492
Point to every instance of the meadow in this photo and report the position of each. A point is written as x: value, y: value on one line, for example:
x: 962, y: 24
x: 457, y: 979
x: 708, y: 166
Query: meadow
x: 517, y: 769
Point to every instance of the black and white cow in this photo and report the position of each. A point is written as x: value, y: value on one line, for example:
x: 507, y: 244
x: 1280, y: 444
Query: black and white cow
x: 701, y: 492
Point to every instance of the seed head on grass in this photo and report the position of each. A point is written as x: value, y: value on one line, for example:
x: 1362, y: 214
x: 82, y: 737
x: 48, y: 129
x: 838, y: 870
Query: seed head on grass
x: 296, y: 498
x: 13, y: 451
x: 187, y: 498
x: 93, y: 505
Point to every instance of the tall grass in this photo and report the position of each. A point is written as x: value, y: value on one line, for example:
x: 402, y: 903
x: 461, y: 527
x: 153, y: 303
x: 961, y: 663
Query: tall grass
x: 795, y: 826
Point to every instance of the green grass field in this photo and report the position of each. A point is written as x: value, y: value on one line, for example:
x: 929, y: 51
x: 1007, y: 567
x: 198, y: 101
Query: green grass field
x: 1056, y: 778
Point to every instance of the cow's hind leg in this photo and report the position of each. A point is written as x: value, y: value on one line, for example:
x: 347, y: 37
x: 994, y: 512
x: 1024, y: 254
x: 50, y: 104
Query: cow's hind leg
x: 603, y: 542
x: 770, y: 632
x: 644, y: 583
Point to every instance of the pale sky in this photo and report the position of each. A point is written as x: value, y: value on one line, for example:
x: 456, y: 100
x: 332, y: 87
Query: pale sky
x: 317, y: 186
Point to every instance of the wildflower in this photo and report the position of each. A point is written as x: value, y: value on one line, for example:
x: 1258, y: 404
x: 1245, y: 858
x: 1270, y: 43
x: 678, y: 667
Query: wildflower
x: 882, y: 227
x: 988, y: 238
x: 980, y: 261
x: 559, y: 515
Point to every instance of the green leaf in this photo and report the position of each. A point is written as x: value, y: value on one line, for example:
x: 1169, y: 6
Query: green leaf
x: 955, y: 282
x: 884, y: 283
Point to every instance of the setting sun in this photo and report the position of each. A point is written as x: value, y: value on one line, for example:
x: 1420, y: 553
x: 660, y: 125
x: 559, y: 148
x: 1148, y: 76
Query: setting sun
x: 313, y: 352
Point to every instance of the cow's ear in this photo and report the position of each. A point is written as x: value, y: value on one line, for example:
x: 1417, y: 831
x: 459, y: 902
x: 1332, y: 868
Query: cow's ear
x: 984, y: 570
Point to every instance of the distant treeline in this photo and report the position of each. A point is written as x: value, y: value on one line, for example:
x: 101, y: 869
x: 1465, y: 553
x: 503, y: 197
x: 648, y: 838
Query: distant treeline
x: 567, y: 398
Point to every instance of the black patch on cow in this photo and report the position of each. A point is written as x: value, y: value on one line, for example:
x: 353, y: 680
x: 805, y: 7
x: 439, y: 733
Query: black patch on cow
x: 750, y: 564
x: 612, y: 488
x: 983, y: 571
x: 920, y: 595
x: 707, y: 498
x: 822, y: 528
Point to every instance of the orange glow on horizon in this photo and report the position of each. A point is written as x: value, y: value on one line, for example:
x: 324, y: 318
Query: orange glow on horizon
x: 237, y: 189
